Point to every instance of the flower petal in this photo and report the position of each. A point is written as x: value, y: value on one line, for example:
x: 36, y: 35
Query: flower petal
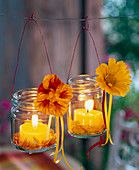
x: 53, y: 96
x: 51, y: 81
x: 115, y: 79
x: 102, y: 70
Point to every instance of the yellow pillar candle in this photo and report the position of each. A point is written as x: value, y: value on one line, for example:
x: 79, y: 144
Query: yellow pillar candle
x: 88, y: 116
x: 93, y: 118
x: 29, y: 131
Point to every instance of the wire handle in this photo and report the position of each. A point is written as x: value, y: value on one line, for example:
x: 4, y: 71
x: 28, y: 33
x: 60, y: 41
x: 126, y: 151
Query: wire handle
x: 85, y: 26
x: 29, y: 19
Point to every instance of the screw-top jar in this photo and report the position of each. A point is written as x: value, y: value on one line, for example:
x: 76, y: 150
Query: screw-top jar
x: 85, y: 117
x: 31, y: 131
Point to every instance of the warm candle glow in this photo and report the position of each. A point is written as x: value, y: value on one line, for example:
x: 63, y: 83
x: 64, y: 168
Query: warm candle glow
x: 89, y: 119
x: 34, y: 121
x: 89, y: 104
x: 81, y: 97
x: 33, y: 130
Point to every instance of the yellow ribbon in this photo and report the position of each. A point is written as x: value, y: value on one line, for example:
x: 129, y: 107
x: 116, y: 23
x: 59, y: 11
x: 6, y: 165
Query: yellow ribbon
x: 51, y: 154
x: 62, y: 146
x: 62, y: 141
x: 107, y: 118
x: 57, y: 146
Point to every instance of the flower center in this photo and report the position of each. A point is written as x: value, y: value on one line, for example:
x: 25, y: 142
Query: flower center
x: 110, y: 80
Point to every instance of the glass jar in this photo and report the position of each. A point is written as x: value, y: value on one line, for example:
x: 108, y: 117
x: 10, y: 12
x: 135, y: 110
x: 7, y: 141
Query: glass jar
x: 85, y: 118
x: 31, y: 131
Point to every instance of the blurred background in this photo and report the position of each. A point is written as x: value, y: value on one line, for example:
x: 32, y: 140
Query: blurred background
x: 114, y: 37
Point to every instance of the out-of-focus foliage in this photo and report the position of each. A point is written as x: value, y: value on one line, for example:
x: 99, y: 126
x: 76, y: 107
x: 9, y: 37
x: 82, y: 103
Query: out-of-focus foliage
x: 122, y: 42
x: 130, y: 105
x: 122, y: 34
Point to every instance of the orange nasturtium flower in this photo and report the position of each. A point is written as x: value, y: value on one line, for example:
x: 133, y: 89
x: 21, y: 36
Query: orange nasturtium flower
x: 53, y: 96
x: 114, y: 78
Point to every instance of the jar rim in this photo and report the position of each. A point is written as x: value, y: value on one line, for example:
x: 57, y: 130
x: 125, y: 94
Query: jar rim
x: 23, y: 99
x: 84, y: 83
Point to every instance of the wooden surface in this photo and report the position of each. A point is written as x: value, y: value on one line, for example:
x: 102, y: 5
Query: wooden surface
x: 60, y: 37
x: 42, y: 160
x: 24, y: 161
x: 93, y: 9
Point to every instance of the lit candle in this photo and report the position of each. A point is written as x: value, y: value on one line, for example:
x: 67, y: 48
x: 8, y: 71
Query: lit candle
x: 31, y: 130
x: 88, y: 116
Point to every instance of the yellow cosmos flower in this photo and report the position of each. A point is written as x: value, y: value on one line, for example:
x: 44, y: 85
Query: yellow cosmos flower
x: 114, y: 78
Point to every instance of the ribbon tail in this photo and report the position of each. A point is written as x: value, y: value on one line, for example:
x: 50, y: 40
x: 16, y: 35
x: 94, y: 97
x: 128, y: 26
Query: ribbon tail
x: 103, y: 110
x: 106, y: 119
x: 57, y: 146
x: 62, y: 140
x: 57, y: 161
x: 51, y: 154
x: 109, y: 117
x: 111, y: 140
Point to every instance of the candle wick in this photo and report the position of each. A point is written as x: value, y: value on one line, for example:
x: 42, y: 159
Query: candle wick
x: 87, y: 111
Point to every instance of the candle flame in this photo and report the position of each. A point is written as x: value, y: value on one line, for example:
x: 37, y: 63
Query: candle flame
x: 34, y: 121
x: 89, y: 104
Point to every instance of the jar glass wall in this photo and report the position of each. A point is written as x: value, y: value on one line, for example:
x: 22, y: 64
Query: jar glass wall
x: 29, y: 128
x: 85, y: 117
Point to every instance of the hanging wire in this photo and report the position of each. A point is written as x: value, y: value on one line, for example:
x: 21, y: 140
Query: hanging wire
x: 67, y: 19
